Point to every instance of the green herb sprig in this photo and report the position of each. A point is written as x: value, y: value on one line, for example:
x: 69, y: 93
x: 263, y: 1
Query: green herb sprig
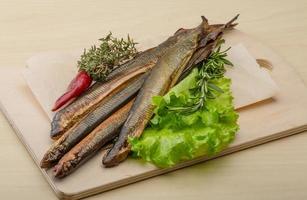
x: 209, y: 69
x: 99, y: 61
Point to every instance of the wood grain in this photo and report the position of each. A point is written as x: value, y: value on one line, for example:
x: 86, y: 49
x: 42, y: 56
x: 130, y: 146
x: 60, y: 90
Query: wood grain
x: 273, y: 171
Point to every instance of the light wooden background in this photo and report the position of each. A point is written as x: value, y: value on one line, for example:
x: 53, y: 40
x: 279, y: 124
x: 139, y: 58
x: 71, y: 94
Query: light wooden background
x: 272, y: 171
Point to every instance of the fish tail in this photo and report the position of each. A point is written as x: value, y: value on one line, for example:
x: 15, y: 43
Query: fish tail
x: 230, y: 24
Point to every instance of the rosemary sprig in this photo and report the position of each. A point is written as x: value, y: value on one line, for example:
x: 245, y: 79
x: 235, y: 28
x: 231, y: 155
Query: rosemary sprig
x: 99, y: 61
x: 210, y: 69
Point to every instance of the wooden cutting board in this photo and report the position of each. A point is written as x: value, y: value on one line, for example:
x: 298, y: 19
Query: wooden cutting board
x: 266, y: 121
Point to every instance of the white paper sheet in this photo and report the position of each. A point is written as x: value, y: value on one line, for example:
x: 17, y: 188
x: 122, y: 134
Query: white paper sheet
x: 48, y: 75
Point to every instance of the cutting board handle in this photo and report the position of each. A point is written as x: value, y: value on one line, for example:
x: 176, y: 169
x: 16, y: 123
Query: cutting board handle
x: 265, y: 63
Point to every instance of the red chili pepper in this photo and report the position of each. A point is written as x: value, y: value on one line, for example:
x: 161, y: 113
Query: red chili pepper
x: 76, y: 87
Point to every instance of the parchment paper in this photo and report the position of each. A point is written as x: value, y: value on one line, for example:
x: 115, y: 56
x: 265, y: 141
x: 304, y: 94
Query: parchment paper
x: 48, y: 75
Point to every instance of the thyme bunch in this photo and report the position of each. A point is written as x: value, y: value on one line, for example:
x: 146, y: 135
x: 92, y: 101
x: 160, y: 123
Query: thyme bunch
x: 208, y: 70
x: 99, y: 61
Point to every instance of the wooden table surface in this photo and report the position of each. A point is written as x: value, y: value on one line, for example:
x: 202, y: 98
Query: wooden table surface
x: 276, y: 170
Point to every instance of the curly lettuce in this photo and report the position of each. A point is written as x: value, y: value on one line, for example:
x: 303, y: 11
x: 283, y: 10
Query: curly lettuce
x: 174, y: 137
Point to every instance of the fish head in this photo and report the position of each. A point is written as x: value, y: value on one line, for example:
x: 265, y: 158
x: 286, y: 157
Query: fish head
x: 62, y: 169
x: 51, y: 157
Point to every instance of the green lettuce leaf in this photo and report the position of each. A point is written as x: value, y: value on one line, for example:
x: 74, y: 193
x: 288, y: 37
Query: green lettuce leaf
x: 173, y: 137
